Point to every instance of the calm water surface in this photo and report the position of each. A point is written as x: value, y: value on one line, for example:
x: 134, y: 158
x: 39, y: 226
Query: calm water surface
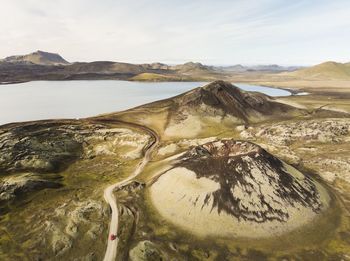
x: 77, y: 99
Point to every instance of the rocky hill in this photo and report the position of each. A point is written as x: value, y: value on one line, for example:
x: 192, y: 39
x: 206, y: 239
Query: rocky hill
x: 205, y: 108
x: 38, y: 57
x: 224, y: 99
x: 221, y: 103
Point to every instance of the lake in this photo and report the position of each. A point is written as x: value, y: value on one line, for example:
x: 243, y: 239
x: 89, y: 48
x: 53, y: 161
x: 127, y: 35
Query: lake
x: 39, y: 100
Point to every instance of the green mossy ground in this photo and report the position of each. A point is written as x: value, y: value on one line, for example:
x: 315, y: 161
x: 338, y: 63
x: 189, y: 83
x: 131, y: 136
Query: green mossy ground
x: 85, y: 179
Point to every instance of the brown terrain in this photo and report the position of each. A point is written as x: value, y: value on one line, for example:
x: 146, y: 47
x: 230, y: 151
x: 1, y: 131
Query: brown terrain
x: 217, y: 173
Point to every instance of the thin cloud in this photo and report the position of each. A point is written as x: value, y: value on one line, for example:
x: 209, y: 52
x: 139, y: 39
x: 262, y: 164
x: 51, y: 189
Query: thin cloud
x: 224, y: 31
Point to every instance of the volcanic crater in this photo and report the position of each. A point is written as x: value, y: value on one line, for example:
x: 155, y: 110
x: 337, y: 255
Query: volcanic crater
x: 230, y: 187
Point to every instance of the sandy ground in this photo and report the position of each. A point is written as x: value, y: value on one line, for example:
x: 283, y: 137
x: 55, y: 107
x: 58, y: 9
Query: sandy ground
x: 190, y: 127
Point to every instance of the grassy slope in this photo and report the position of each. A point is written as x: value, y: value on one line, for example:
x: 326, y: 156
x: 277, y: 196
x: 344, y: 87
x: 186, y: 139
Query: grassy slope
x: 327, y: 70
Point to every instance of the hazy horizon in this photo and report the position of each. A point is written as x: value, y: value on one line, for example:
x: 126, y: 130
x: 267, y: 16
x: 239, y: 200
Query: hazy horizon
x: 165, y: 62
x: 216, y: 33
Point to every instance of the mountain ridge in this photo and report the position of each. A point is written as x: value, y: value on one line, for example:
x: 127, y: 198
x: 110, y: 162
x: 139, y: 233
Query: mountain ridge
x: 325, y: 70
x: 38, y: 57
x: 41, y: 65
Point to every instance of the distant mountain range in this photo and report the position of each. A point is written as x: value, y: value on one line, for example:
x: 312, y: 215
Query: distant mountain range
x: 46, y: 58
x: 259, y: 68
x: 50, y: 66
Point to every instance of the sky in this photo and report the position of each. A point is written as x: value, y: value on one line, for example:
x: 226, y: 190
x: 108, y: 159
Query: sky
x: 218, y: 32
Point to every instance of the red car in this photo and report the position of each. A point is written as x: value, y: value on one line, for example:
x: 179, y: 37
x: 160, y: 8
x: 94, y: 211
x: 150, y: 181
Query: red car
x: 112, y: 237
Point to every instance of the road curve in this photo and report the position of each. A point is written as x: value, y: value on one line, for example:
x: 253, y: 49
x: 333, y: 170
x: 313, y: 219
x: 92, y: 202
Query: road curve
x: 111, y: 251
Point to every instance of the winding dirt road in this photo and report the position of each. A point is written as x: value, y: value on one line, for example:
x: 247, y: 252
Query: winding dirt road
x: 111, y: 251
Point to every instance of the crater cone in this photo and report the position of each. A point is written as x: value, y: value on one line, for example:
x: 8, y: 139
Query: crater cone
x: 233, y: 187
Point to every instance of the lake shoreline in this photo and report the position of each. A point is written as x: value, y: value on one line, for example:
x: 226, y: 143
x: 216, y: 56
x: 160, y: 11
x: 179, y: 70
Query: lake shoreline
x: 74, y: 99
x: 291, y: 90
